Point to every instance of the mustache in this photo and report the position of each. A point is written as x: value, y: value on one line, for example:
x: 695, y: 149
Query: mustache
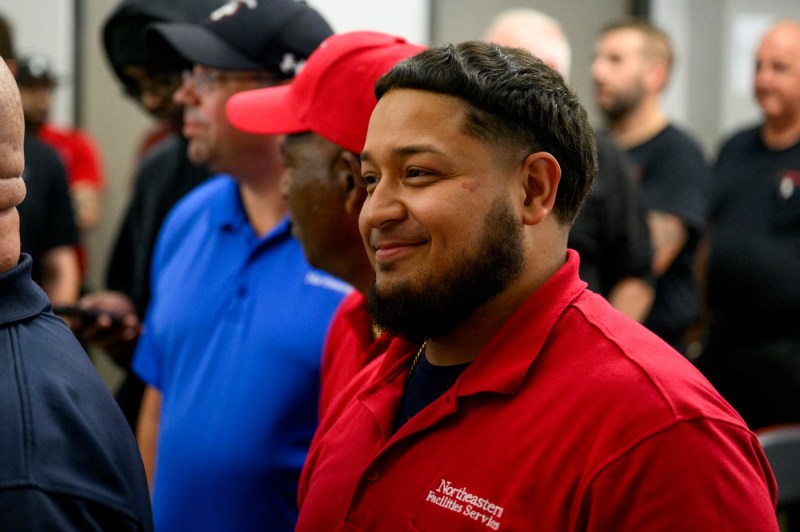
x: 194, y: 116
x: 396, y: 235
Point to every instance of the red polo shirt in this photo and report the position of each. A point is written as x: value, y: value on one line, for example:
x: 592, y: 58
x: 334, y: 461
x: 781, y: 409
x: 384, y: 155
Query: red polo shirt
x: 349, y: 346
x: 79, y: 153
x: 572, y: 417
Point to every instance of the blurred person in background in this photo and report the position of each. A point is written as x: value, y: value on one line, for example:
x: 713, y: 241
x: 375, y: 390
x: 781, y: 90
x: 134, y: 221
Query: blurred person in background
x: 47, y: 224
x: 163, y: 176
x: 77, y: 149
x: 233, y: 334
x: 752, y: 273
x: 631, y: 69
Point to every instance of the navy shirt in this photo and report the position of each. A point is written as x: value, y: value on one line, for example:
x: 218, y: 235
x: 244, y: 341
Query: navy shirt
x: 754, y: 260
x: 675, y: 179
x: 46, y: 220
x: 610, y: 233
x: 69, y: 460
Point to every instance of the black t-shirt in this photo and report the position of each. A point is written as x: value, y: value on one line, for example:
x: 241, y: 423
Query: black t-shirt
x: 70, y: 461
x: 164, y: 177
x: 610, y: 233
x: 46, y: 217
x: 675, y: 179
x: 426, y: 384
x: 754, y: 260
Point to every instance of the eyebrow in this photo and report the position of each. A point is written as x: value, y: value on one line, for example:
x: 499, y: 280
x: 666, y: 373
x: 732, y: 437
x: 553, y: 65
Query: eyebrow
x: 404, y: 151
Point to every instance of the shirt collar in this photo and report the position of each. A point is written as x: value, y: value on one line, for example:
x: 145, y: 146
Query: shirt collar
x: 504, y: 362
x: 20, y: 297
x: 229, y: 213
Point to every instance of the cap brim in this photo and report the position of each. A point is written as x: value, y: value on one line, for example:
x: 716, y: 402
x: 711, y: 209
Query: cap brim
x: 197, y: 44
x: 268, y: 111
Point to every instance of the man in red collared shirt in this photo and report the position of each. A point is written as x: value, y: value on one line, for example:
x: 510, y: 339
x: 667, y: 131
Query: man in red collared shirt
x: 513, y: 398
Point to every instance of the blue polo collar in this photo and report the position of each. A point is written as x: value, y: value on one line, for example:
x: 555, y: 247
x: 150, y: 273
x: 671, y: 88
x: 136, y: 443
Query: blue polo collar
x: 229, y: 214
x: 20, y: 297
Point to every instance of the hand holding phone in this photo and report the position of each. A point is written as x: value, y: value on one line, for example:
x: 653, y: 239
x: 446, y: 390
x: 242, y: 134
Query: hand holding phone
x: 87, y: 316
x: 106, y: 319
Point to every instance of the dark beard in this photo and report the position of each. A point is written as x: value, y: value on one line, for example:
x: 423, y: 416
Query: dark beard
x: 441, y: 301
x: 624, y: 104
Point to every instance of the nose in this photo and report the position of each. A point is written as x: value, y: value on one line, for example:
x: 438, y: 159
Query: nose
x: 383, y: 206
x: 186, y: 95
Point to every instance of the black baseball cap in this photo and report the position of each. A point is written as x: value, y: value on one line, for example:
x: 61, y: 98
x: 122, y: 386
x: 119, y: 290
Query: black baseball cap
x: 35, y: 70
x: 124, y: 31
x: 272, y: 35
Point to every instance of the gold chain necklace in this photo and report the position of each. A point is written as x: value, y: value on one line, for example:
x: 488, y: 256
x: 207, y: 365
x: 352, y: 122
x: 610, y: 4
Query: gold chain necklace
x: 416, y: 357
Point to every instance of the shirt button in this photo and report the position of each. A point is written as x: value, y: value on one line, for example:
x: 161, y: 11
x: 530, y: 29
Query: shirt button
x: 242, y: 291
x: 372, y: 475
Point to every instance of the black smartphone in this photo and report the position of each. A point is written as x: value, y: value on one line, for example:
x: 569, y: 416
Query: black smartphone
x: 87, y: 315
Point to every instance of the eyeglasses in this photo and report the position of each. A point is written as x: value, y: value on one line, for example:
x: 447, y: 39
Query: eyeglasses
x: 205, y: 82
x: 161, y: 84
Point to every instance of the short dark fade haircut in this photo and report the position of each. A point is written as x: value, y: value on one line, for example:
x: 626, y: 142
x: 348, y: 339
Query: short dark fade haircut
x: 657, y: 44
x: 514, y: 101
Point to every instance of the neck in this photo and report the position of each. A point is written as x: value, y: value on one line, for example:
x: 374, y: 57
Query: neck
x: 779, y: 134
x: 9, y: 241
x: 259, y: 174
x: 264, y: 205
x: 465, y: 343
x: 640, y: 125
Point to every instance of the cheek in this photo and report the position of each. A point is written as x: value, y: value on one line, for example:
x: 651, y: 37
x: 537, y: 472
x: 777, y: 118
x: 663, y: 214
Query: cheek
x: 214, y: 110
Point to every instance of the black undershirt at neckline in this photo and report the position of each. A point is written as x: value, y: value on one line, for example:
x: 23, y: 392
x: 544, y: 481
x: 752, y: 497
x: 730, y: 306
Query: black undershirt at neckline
x: 426, y: 384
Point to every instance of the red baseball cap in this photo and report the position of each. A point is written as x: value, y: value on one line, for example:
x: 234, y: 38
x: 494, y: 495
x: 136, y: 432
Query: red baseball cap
x: 333, y: 95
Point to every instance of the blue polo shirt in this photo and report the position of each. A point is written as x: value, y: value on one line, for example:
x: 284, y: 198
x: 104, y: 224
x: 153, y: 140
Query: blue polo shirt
x: 233, y: 339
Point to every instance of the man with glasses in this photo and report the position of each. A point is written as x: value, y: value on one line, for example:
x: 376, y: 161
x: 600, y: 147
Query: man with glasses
x: 233, y: 334
x: 163, y: 176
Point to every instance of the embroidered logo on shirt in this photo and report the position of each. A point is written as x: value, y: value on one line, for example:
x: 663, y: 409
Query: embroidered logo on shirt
x: 323, y: 281
x: 789, y: 181
x: 463, y: 502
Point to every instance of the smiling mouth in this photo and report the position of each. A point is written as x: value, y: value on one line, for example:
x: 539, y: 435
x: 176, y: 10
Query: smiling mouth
x: 394, y: 251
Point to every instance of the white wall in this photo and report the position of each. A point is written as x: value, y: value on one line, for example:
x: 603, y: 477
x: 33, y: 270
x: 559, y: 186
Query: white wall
x: 406, y: 18
x: 51, y: 35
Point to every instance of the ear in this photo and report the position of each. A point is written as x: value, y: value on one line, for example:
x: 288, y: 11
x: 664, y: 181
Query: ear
x: 348, y: 176
x: 657, y: 75
x: 541, y: 185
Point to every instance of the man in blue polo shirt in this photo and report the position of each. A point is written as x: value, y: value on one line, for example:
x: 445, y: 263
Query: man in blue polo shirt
x: 233, y: 335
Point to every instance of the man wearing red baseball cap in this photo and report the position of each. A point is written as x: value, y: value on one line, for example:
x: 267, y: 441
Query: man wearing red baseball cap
x: 325, y: 112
